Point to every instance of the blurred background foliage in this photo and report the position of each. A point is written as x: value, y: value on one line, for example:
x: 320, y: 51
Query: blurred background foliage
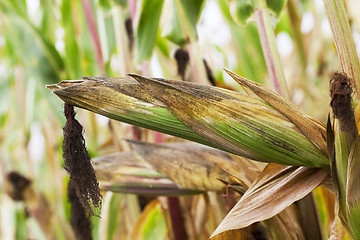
x: 45, y: 41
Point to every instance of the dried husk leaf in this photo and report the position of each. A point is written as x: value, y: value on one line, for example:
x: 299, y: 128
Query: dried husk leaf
x: 127, y: 172
x: 194, y: 166
x: 275, y: 189
x: 310, y: 127
x: 238, y: 124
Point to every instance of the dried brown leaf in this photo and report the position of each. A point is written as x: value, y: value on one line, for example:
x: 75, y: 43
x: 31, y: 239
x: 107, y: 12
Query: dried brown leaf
x: 275, y: 189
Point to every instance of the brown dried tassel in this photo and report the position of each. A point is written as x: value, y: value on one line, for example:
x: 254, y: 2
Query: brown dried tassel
x: 78, y: 163
x: 79, y: 219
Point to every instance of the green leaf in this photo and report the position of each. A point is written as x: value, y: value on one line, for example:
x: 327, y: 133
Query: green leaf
x: 147, y: 28
x: 189, y: 12
x: 276, y: 6
x: 243, y: 9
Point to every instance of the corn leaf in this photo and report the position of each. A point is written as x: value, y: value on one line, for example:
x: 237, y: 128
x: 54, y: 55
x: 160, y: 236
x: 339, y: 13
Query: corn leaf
x: 147, y: 28
x: 236, y: 123
x: 275, y: 189
x: 189, y: 12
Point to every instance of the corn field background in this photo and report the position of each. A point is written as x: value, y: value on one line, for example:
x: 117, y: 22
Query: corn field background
x: 43, y: 42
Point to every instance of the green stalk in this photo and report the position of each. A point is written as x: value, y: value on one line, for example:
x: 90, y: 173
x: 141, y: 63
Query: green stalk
x: 271, y: 55
x: 343, y: 40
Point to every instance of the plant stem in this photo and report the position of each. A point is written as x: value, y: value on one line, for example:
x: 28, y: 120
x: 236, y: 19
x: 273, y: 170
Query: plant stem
x: 343, y: 40
x: 271, y: 55
x: 177, y: 221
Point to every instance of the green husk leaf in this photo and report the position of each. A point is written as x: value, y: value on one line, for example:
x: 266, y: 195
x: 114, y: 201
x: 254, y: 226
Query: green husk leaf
x: 342, y: 151
x: 212, y: 116
x: 311, y: 128
x: 353, y: 190
x: 353, y: 174
x: 353, y: 220
x: 236, y: 123
x: 275, y: 189
x: 330, y: 141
